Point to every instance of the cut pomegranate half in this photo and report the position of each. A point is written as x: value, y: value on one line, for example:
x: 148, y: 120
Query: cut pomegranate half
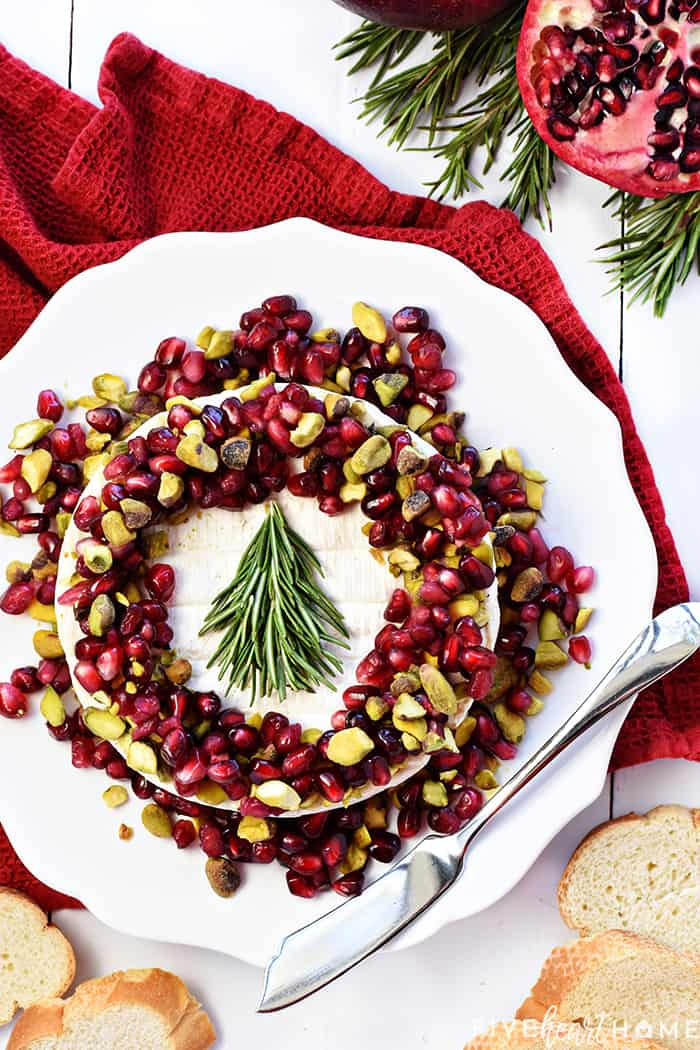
x: 613, y: 86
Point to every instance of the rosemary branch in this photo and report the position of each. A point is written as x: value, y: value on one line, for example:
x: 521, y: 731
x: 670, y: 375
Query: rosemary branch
x: 660, y: 245
x: 277, y: 622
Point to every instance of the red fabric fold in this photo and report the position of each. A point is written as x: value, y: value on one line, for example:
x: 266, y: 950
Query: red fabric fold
x: 171, y: 149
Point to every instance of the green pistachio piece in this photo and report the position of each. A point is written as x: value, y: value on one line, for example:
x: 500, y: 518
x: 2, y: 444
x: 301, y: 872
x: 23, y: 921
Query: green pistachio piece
x: 109, y: 387
x: 52, y: 708
x: 195, y: 453
x: 372, y: 454
x: 205, y: 337
x: 101, y: 615
x: 417, y: 727
x: 114, y: 527
x: 220, y: 344
x: 438, y: 689
x: 370, y: 322
x: 582, y: 618
x: 26, y: 434
x: 511, y: 724
x: 488, y: 458
x: 307, y: 429
x: 512, y: 460
x: 404, y: 560
x: 157, y: 821
x: 376, y: 708
x: 415, y: 505
x: 278, y: 794
x: 353, y: 493
x: 405, y: 682
x: 36, y: 467
x: 409, y: 461
x: 136, y: 513
x: 142, y: 758
x: 254, y: 829
x: 349, y: 746
x: 539, y: 683
x: 550, y: 627
x: 434, y: 793
x: 171, y: 489
x: 549, y: 656
x: 389, y: 386
x: 408, y: 707
x: 104, y: 724
x: 97, y: 557
x: 114, y: 796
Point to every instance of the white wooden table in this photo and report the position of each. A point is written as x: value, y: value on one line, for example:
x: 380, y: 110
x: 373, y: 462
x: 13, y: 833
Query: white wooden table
x: 476, y: 970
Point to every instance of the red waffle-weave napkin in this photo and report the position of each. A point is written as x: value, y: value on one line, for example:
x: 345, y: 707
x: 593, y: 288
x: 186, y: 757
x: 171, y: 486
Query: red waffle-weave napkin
x: 174, y: 150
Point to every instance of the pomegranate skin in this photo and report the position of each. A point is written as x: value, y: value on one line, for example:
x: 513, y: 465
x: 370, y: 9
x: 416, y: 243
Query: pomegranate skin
x: 613, y: 127
x: 427, y: 14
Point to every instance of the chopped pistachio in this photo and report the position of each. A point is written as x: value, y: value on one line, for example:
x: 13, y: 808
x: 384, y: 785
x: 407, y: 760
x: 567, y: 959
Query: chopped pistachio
x: 407, y: 707
x: 253, y: 389
x: 484, y: 552
x: 372, y: 454
x: 235, y: 453
x: 44, y: 613
x: 524, y: 520
x: 349, y: 746
x: 142, y: 758
x: 535, y: 494
x: 370, y: 322
x: 171, y: 489
x: 157, y: 821
x: 63, y: 520
x: 354, y: 859
x: 196, y: 453
x: 409, y: 461
x: 535, y: 707
x: 26, y: 434
x: 220, y: 344
x: 97, y: 557
x: 362, y: 837
x: 415, y: 505
x: 374, y: 813
x: 504, y: 678
x: 512, y: 459
x: 485, y: 780
x: 376, y: 708
x: 533, y: 475
x: 136, y: 513
x: 205, y: 336
x: 180, y: 399
x: 138, y: 404
x: 434, y: 793
x: 196, y: 427
x: 405, y: 486
x: 278, y: 794
x: 488, y: 458
x: 550, y: 627
x: 92, y: 465
x: 393, y: 353
x: 115, y: 529
x: 114, y: 796
x: 47, y: 492
x: 467, y: 605
x: 17, y: 571
x: 464, y: 731
x: 403, y: 559
x: 179, y: 671
x: 36, y: 467
x: 101, y: 616
x: 548, y: 656
x: 405, y: 682
x: 343, y: 378
x: 582, y: 618
x: 438, y: 689
x: 501, y: 534
x: 416, y: 727
x: 47, y: 645
x: 96, y: 441
x: 254, y: 829
x: 350, y: 493
x: 104, y: 724
x: 211, y: 794
x: 335, y: 406
x: 223, y: 876
x: 156, y: 544
x: 389, y: 386
x: 418, y: 416
x: 527, y: 585
x: 311, y: 736
x: 512, y: 725
x: 52, y: 708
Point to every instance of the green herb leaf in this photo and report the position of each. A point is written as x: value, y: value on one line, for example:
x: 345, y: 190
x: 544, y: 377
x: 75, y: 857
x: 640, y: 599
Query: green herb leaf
x: 277, y: 623
x: 658, y: 248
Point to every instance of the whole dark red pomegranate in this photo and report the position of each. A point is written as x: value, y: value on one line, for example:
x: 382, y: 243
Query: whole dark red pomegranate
x: 427, y: 14
x: 613, y: 86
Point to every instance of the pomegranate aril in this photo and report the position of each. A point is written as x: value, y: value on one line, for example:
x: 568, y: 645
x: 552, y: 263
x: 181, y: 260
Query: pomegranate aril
x: 300, y: 886
x: 17, y: 598
x: 580, y: 650
x: 13, y: 702
x: 349, y: 885
x: 581, y: 579
x: 184, y: 833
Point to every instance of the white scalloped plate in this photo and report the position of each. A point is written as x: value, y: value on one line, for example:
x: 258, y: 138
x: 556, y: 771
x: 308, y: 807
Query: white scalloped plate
x: 516, y: 390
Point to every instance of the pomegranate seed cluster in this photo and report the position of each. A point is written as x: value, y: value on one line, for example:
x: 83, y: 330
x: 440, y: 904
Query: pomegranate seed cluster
x: 449, y: 524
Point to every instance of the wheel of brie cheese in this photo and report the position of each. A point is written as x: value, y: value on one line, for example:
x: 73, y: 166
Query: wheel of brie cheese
x: 205, y: 547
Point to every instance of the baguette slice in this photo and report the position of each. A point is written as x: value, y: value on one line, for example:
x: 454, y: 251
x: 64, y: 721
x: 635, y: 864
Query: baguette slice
x: 36, y: 960
x: 532, y: 1035
x: 638, y: 873
x: 144, y: 1009
x: 623, y: 980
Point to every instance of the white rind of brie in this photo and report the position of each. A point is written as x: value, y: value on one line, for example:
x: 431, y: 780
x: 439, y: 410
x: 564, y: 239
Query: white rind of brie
x: 205, y: 552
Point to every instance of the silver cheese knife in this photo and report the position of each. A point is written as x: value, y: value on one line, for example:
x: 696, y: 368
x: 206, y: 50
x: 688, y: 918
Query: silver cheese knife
x: 311, y: 957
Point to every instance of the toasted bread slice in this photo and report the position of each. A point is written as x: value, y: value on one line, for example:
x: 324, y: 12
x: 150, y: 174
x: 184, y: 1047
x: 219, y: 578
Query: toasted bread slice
x: 533, y: 1035
x: 644, y: 989
x: 638, y: 873
x: 148, y: 1009
x: 36, y: 960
